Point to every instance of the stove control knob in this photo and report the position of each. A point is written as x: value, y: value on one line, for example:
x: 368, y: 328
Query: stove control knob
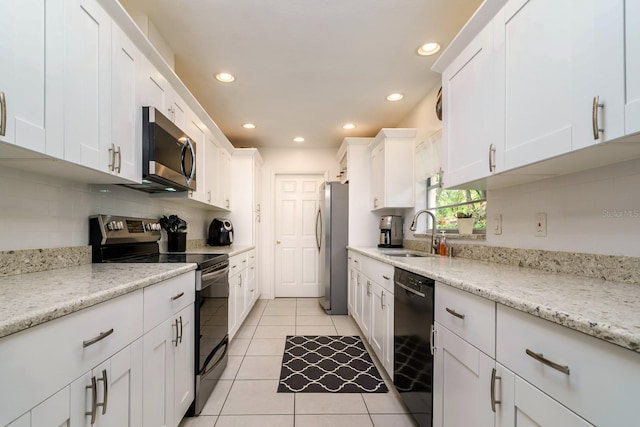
x: 110, y: 226
x: 120, y: 225
x: 158, y: 228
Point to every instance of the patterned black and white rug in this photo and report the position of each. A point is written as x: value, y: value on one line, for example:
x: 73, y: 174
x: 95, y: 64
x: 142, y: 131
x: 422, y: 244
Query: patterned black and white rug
x: 335, y: 364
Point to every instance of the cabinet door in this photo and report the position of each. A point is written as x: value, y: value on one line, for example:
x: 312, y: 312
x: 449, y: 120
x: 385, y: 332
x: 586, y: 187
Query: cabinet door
x: 462, y: 378
x: 352, y: 288
x: 53, y: 412
x: 212, y: 172
x: 87, y: 84
x: 252, y: 293
x: 155, y: 89
x: 225, y: 178
x: 184, y: 371
x: 523, y: 405
x: 22, y: 74
x: 126, y: 107
x: 377, y: 177
x: 470, y: 113
x: 552, y: 72
x: 632, y: 62
x: 378, y: 322
x: 157, y: 375
x: 367, y: 301
x: 196, y: 131
x: 234, y: 294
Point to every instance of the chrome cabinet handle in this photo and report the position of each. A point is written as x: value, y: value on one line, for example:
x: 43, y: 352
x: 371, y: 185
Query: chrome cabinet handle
x: 100, y: 337
x: 240, y: 281
x: 454, y: 313
x: 594, y: 117
x: 3, y: 114
x: 180, y: 336
x: 432, y: 340
x: 494, y: 377
x: 385, y: 277
x: 382, y: 300
x: 118, y: 153
x: 492, y: 158
x: 540, y: 358
x: 375, y: 202
x: 175, y: 342
x: 105, y: 388
x: 94, y: 400
x: 112, y: 158
x: 175, y: 297
x: 368, y: 287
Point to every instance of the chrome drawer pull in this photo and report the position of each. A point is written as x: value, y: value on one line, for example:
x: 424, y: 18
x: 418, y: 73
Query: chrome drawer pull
x: 538, y: 356
x: 175, y: 297
x: 100, y: 337
x: 94, y: 400
x: 385, y: 277
x: 454, y: 313
x: 106, y: 391
x: 494, y: 377
x: 594, y: 117
x: 3, y: 114
x: 432, y: 340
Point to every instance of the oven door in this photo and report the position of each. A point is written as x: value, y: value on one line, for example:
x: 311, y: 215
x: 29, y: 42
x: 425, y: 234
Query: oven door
x: 211, y: 329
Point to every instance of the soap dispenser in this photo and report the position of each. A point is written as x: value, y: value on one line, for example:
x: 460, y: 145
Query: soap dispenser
x: 443, y: 245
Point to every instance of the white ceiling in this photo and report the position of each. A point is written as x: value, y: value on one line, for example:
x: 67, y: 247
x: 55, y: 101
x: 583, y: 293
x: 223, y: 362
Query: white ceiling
x: 304, y: 67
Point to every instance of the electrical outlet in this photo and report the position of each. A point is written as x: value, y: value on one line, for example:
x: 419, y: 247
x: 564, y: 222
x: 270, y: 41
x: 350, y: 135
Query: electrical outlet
x: 541, y: 224
x: 497, y: 224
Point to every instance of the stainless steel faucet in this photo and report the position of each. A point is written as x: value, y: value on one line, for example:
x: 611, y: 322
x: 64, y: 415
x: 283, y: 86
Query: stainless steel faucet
x: 433, y: 234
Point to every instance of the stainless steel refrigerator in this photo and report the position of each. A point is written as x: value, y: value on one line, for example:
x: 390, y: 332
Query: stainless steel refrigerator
x: 332, y: 232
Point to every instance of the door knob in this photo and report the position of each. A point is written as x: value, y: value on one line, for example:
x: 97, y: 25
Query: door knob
x: 277, y: 242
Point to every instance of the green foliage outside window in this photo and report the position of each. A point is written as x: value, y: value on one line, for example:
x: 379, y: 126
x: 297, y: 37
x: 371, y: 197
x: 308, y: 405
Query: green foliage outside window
x: 448, y: 203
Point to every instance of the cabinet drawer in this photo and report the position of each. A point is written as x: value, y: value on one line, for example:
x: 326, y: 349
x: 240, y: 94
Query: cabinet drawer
x: 166, y: 298
x: 379, y: 272
x: 355, y: 260
x: 238, y: 263
x: 251, y: 257
x: 602, y: 382
x: 37, y: 362
x: 469, y: 316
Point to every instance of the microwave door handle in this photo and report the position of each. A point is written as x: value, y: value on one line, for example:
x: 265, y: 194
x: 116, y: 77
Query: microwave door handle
x: 186, y: 145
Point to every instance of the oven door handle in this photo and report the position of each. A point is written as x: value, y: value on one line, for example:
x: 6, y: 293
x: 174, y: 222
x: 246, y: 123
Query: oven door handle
x: 214, y: 274
x: 225, y: 343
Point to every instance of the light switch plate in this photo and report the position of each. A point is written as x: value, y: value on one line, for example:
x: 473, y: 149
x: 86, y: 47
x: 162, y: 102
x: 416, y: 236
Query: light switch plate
x: 541, y: 224
x: 497, y: 224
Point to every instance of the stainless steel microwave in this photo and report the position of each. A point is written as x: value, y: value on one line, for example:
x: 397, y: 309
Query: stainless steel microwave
x: 168, y: 155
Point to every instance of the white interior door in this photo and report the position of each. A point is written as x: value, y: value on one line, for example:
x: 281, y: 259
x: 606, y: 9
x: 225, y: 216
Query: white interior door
x: 296, y: 252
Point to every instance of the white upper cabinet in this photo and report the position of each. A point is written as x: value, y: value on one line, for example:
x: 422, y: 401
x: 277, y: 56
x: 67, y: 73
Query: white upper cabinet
x: 471, y: 141
x: 22, y: 73
x: 81, y: 94
x: 196, y: 131
x: 555, y: 75
x: 126, y: 107
x: 392, y: 153
x: 632, y: 44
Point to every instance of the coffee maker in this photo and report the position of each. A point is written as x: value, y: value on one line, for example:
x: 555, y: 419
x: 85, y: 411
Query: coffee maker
x: 391, y: 232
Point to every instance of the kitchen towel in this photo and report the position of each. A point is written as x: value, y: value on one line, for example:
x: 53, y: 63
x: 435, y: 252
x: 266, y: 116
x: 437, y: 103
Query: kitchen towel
x: 328, y: 363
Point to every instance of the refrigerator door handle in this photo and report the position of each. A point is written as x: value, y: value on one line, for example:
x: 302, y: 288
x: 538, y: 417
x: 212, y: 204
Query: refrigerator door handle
x: 318, y: 235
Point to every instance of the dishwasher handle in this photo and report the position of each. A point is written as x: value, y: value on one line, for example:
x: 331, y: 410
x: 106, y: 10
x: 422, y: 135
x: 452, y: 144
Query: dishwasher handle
x: 408, y: 289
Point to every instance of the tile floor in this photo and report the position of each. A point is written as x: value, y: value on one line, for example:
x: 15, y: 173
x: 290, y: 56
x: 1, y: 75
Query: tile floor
x: 246, y: 395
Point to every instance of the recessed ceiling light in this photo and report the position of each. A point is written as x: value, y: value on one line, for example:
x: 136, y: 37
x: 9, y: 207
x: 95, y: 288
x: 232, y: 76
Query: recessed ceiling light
x: 225, y: 77
x: 349, y: 126
x: 395, y: 97
x: 429, y: 49
x: 248, y: 126
x: 298, y: 139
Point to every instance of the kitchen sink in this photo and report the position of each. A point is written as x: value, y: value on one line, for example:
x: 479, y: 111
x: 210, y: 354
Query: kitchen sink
x: 405, y: 254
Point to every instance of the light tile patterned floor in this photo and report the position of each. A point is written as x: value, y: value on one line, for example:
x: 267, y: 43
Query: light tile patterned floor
x: 247, y: 396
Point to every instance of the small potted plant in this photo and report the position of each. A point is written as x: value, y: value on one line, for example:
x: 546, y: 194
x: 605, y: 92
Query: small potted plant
x: 176, y: 229
x: 465, y: 222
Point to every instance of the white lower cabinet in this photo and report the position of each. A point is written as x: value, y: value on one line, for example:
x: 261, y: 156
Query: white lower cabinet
x: 521, y: 404
x: 543, y: 374
x: 461, y: 378
x: 371, y: 304
x: 242, y: 289
x: 126, y: 362
x: 111, y: 393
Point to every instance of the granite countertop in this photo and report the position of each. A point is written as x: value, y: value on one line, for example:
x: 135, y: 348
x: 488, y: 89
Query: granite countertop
x: 27, y: 300
x: 604, y: 309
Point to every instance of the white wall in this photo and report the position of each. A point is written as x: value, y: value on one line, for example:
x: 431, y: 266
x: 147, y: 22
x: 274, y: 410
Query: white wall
x: 286, y: 161
x: 39, y: 211
x: 596, y: 211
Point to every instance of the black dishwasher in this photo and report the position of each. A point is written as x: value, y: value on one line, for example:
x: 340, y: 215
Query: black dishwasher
x: 413, y: 362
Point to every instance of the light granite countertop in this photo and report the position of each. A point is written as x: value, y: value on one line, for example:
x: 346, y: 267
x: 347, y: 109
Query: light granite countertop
x: 604, y: 309
x: 27, y: 300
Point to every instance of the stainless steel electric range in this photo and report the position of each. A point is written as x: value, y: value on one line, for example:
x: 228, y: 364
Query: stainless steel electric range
x: 135, y: 240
